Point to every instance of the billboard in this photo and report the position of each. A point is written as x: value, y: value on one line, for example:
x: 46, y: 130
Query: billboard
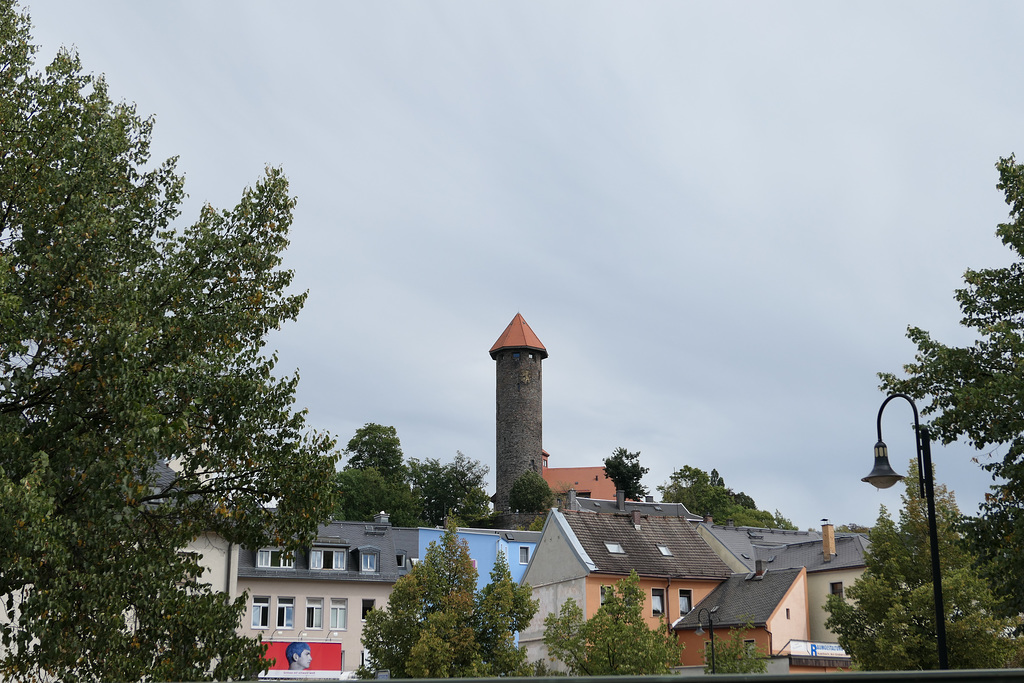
x: 301, y: 659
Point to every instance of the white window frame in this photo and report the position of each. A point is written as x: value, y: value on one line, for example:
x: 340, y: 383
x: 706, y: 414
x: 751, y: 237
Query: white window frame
x: 366, y: 609
x: 664, y: 550
x: 274, y: 558
x: 314, y: 613
x: 687, y: 594
x: 367, y: 562
x: 657, y: 602
x: 286, y: 613
x: 261, y: 612
x: 339, y: 608
x: 337, y: 559
x: 614, y: 548
x: 524, y: 554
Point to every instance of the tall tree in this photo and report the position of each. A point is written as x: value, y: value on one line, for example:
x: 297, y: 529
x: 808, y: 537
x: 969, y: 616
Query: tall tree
x: 706, y: 494
x: 889, y: 621
x: 625, y: 470
x: 437, y: 626
x: 530, y: 493
x: 365, y: 492
x: 377, y: 446
x: 455, y: 488
x: 975, y: 392
x: 616, y: 640
x: 138, y: 406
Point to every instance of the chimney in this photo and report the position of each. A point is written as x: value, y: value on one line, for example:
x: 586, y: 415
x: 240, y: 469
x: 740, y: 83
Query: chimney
x: 649, y: 499
x: 620, y: 499
x: 708, y: 519
x: 636, y: 519
x: 759, y: 567
x: 828, y: 540
x: 571, y: 503
x: 729, y: 522
x: 382, y: 518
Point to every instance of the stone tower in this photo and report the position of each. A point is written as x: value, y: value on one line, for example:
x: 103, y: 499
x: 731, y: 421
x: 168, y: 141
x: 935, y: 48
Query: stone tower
x: 518, y: 353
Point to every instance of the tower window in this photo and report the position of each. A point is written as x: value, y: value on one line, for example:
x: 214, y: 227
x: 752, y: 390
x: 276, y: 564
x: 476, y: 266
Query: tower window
x: 515, y: 355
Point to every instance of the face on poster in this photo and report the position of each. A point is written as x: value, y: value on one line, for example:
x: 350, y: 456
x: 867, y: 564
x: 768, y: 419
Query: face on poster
x: 300, y: 659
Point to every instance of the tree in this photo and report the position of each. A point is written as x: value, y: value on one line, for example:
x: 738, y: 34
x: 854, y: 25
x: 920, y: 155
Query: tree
x: 455, y: 488
x: 975, y: 392
x: 437, y: 626
x: 138, y: 406
x: 530, y: 493
x: 889, y: 621
x: 706, y: 494
x: 378, y: 447
x: 365, y: 492
x: 616, y: 640
x: 735, y: 655
x: 624, y: 469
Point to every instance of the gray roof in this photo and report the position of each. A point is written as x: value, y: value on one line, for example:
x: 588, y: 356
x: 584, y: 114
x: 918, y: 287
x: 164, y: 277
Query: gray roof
x: 748, y: 544
x: 743, y: 598
x: 350, y: 536
x: 650, y: 508
x: 690, y: 556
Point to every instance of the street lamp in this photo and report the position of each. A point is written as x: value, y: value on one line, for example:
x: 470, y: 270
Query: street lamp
x: 883, y: 476
x: 711, y: 627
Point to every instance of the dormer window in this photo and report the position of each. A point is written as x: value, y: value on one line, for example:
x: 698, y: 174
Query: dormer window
x: 369, y: 562
x: 270, y: 558
x: 614, y: 548
x: 327, y: 559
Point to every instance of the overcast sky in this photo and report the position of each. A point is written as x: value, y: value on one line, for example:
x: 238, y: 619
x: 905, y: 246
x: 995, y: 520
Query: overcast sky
x: 719, y: 217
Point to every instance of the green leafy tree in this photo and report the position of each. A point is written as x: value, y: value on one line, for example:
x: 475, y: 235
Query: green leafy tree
x: 530, y: 493
x: 455, y: 488
x: 975, y: 392
x: 734, y: 655
x: 626, y: 472
x: 616, y: 640
x: 437, y: 626
x: 377, y: 446
x: 138, y: 405
x: 365, y: 492
x: 706, y: 494
x: 889, y: 621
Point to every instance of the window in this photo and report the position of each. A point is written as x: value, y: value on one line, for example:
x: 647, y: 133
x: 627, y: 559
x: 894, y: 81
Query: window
x: 664, y: 550
x: 286, y: 612
x: 836, y: 588
x: 604, y: 594
x: 367, y: 607
x: 787, y: 613
x: 524, y: 555
x: 314, y: 613
x: 339, y: 613
x: 268, y: 558
x: 260, y: 612
x: 614, y: 547
x: 369, y: 562
x: 400, y: 561
x: 657, y: 601
x: 327, y: 559
x: 685, y: 601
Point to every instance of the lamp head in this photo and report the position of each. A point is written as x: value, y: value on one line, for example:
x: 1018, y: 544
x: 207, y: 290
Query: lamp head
x: 882, y: 476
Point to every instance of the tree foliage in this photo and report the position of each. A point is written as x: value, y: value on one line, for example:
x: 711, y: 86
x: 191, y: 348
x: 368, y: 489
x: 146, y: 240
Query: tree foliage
x: 975, y: 392
x: 138, y: 406
x: 530, y: 493
x: 455, y: 488
x: 437, y: 626
x: 705, y: 493
x: 889, y: 621
x: 365, y: 492
x: 616, y: 640
x: 626, y: 472
x: 734, y: 655
x: 379, y: 447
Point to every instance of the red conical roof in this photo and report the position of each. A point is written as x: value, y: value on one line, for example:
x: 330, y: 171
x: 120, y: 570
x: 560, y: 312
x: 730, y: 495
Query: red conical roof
x: 518, y: 335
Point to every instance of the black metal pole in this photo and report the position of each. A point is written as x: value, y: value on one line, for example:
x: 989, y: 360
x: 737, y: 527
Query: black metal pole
x: 927, y: 489
x: 711, y: 627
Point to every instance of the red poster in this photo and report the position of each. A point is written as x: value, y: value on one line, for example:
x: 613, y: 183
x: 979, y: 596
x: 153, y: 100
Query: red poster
x: 301, y: 659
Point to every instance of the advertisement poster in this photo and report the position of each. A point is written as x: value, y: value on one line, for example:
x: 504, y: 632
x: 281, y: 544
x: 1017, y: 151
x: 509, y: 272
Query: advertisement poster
x: 299, y: 659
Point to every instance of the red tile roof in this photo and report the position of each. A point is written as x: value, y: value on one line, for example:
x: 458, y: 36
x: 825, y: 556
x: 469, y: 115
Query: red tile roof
x: 518, y: 335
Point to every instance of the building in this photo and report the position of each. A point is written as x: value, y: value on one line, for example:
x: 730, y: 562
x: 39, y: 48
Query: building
x: 320, y: 595
x: 484, y: 547
x: 580, y: 553
x: 518, y: 354
x: 586, y: 482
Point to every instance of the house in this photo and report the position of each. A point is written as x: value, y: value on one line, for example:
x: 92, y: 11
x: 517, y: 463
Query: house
x: 586, y: 482
x: 484, y: 547
x: 771, y: 603
x: 581, y: 552
x: 321, y: 595
x: 833, y: 561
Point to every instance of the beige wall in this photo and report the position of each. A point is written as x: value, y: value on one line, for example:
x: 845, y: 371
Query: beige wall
x: 353, y: 591
x: 790, y: 619
x: 819, y: 587
x: 220, y: 560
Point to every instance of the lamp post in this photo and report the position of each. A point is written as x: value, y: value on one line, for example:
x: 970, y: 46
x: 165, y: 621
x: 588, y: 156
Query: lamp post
x: 882, y: 476
x: 711, y: 627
